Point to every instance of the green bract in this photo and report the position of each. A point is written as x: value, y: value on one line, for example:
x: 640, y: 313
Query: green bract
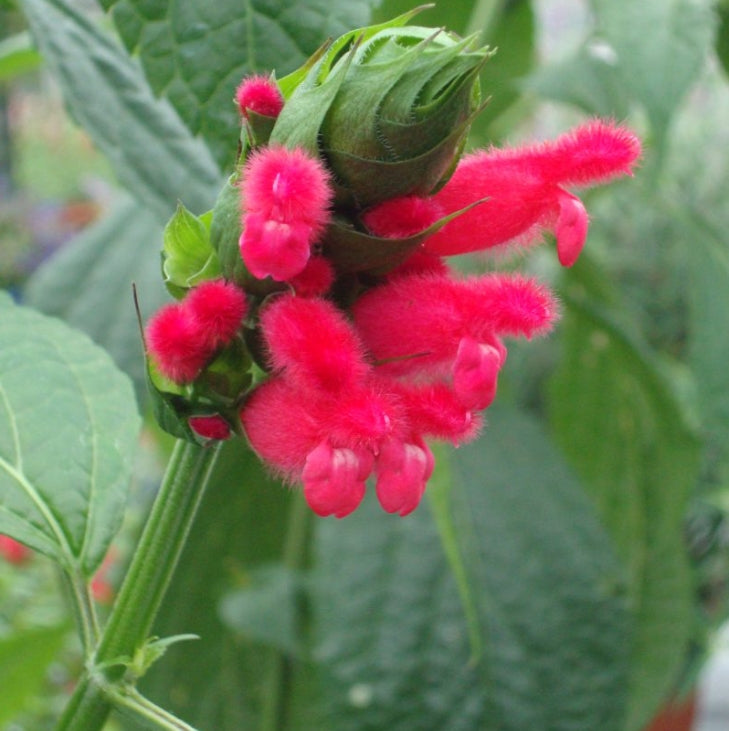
x: 388, y: 107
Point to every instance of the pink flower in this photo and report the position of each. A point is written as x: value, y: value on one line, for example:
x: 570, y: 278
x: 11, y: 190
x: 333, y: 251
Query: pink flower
x: 403, y: 469
x: 524, y: 190
x: 286, y: 197
x: 399, y: 218
x: 177, y: 343
x: 288, y: 186
x: 218, y: 307
x: 259, y: 94
x: 13, y: 551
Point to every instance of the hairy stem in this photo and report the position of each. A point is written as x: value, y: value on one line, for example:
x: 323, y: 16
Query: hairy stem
x: 145, y: 584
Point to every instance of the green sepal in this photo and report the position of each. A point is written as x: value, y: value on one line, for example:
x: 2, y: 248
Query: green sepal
x: 258, y: 128
x: 170, y: 405
x: 352, y: 251
x: 187, y: 256
x: 226, y: 379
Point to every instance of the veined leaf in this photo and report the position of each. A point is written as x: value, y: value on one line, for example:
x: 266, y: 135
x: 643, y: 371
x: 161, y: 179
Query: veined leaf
x: 68, y: 430
x: 150, y: 149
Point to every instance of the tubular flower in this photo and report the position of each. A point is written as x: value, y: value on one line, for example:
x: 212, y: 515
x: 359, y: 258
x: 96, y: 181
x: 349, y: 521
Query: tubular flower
x: 318, y: 317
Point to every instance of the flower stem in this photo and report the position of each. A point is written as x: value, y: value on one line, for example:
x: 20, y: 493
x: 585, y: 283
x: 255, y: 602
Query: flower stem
x: 145, y: 584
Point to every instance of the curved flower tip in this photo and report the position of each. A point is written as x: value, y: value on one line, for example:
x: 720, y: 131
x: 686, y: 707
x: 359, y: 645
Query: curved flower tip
x: 475, y: 373
x: 288, y: 186
x: 403, y: 469
x: 219, y: 308
x: 259, y: 94
x: 399, y: 218
x: 273, y: 248
x: 570, y: 229
x: 334, y: 479
x: 210, y: 427
x: 177, y: 343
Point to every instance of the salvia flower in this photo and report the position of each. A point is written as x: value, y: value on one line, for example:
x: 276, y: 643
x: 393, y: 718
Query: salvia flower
x: 320, y: 320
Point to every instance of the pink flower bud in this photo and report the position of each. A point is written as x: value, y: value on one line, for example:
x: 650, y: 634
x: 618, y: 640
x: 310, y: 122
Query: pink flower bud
x: 334, y: 479
x: 210, y: 427
x: 177, y: 343
x: 570, y: 229
x: 315, y: 279
x: 274, y: 249
x: 259, y: 94
x: 288, y: 186
x: 402, y: 470
x: 399, y: 218
x: 219, y: 308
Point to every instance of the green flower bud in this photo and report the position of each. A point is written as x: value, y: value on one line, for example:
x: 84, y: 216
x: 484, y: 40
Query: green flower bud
x: 388, y: 107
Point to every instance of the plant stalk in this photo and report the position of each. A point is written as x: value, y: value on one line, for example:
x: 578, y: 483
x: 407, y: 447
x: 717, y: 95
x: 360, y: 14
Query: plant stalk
x: 153, y: 564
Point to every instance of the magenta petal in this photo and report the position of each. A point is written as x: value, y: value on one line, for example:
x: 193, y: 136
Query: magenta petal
x: 570, y: 229
x: 334, y: 480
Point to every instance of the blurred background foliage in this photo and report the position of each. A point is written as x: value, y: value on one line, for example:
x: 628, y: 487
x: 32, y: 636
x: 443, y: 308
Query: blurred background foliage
x: 571, y: 566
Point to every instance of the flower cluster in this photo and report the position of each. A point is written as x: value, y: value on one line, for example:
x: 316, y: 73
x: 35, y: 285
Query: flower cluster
x: 331, y: 293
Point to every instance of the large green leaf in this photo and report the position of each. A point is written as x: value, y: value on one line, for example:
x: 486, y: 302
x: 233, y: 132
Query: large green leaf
x: 152, y: 152
x: 619, y: 424
x: 195, y: 53
x: 25, y: 657
x: 68, y: 430
x: 88, y: 283
x: 393, y: 640
x: 660, y: 47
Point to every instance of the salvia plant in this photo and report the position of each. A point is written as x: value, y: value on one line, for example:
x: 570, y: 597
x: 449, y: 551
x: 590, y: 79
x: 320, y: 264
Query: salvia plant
x: 316, y: 328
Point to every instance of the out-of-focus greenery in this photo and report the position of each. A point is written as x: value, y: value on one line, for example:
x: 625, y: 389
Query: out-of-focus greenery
x: 568, y: 566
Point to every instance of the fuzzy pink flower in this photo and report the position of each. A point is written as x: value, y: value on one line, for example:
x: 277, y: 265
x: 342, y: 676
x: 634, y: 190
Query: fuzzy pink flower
x: 399, y: 218
x: 13, y: 551
x: 218, y: 307
x: 524, y: 190
x: 288, y: 186
x: 177, y: 343
x: 415, y: 323
x: 259, y: 94
x: 210, y: 426
x: 475, y: 373
x: 314, y: 343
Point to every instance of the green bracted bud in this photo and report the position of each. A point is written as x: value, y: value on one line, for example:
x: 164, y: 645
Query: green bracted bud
x: 388, y: 107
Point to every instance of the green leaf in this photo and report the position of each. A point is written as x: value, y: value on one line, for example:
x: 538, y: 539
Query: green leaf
x: 195, y: 53
x: 88, y: 283
x: 660, y: 49
x: 393, y: 640
x: 188, y: 257
x: 619, y: 424
x: 150, y: 149
x: 722, y: 36
x: 17, y: 56
x: 68, y: 431
x: 25, y: 657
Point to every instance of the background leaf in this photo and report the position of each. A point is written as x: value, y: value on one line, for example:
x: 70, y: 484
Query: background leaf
x: 619, y: 424
x: 88, y: 284
x: 68, y: 430
x: 195, y: 53
x: 151, y: 151
x: 24, y: 660
x: 392, y: 638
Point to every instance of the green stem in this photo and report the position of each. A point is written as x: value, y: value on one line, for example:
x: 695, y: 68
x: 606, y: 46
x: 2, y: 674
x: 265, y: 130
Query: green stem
x: 145, y: 584
x: 132, y: 700
x: 483, y: 17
